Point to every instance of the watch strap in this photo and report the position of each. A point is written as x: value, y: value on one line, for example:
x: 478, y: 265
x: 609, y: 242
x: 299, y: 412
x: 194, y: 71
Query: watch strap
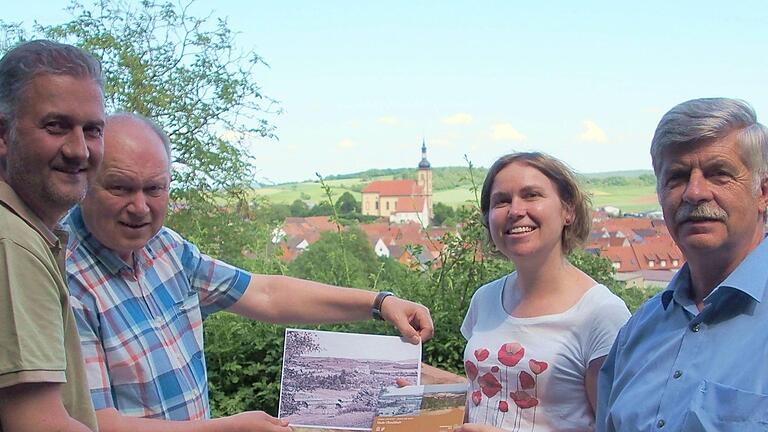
x: 376, y: 308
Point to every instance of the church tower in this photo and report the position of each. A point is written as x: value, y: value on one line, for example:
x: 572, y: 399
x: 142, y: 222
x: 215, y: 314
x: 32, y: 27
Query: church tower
x: 424, y: 178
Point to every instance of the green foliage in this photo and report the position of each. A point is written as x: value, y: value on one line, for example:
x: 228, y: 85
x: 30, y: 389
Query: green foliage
x: 274, y: 214
x: 345, y: 259
x: 244, y: 358
x: 602, y: 271
x: 187, y: 74
x: 443, y: 214
x: 645, y: 179
x: 299, y: 208
x: 599, y: 268
x: 324, y: 208
x: 184, y: 72
x: 347, y: 204
x: 240, y: 236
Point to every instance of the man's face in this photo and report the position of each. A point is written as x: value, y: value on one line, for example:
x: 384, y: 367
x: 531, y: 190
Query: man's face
x: 709, y: 203
x: 55, y: 144
x: 126, y: 205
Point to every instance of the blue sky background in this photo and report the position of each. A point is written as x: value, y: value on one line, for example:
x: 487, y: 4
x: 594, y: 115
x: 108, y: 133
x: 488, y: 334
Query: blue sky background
x: 362, y: 82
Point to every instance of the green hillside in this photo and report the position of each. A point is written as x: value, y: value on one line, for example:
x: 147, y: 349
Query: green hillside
x: 632, y: 192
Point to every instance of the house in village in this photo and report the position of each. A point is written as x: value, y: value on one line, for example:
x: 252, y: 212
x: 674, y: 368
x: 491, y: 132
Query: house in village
x: 640, y: 249
x: 402, y: 201
x: 408, y: 243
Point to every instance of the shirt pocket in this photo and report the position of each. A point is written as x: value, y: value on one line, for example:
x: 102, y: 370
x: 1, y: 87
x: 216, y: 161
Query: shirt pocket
x: 721, y: 408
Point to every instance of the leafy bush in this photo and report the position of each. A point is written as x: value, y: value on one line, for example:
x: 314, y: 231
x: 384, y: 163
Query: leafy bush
x: 244, y: 358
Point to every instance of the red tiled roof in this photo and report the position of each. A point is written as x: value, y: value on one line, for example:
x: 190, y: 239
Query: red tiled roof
x: 402, y: 234
x: 409, y: 205
x: 394, y: 188
x: 625, y: 225
x: 638, y: 255
x: 622, y: 255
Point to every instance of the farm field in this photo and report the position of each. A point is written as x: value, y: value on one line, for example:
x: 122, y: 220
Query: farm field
x: 627, y: 198
x: 630, y: 198
x: 311, y: 190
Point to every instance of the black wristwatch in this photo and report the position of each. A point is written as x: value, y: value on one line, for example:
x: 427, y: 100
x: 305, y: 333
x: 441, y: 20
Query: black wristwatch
x: 376, y: 309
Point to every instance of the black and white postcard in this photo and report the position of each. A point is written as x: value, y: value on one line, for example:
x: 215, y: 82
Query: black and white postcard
x: 333, y: 380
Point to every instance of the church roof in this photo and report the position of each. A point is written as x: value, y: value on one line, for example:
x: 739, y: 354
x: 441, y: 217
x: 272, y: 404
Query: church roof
x: 393, y: 188
x: 409, y: 205
x: 424, y: 162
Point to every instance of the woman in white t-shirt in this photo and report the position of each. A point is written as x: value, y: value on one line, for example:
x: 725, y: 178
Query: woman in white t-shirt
x: 536, y: 338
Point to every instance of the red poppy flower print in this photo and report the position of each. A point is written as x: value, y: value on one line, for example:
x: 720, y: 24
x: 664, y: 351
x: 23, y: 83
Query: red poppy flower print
x: 537, y: 367
x: 523, y: 399
x: 511, y: 353
x: 526, y: 380
x: 495, y: 369
x: 481, y: 354
x: 477, y: 397
x: 503, y: 406
x: 471, y: 370
x: 489, y: 385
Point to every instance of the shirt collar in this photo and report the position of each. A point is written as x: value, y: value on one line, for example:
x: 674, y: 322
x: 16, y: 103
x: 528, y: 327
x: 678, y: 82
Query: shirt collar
x: 14, y: 203
x: 750, y: 278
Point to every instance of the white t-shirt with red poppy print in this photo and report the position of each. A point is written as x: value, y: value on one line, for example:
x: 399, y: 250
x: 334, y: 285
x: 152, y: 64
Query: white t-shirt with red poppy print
x: 527, y: 374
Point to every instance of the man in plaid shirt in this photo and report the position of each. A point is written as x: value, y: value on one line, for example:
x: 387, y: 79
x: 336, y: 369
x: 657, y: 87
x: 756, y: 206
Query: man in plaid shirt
x: 140, y: 293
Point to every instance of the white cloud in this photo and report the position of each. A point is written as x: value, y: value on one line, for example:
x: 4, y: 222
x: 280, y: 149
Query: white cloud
x: 459, y: 118
x: 388, y: 120
x: 592, y: 133
x: 346, y: 144
x: 505, y: 132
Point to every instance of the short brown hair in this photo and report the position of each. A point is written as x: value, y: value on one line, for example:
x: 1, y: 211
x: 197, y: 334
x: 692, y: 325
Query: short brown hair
x: 38, y: 57
x: 568, y: 189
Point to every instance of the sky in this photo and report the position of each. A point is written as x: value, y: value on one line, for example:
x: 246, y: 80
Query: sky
x: 364, y: 347
x: 362, y: 83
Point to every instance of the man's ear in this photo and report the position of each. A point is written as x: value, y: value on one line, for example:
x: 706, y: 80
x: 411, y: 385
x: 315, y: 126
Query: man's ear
x: 764, y: 193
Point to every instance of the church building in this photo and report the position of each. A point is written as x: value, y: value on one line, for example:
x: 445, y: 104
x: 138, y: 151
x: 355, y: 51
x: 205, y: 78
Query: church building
x: 402, y: 200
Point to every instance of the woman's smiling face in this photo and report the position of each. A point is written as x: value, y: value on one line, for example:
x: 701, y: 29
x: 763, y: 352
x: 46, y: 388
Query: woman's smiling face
x: 526, y: 215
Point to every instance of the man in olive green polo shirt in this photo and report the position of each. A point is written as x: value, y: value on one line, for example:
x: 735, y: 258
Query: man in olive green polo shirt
x: 51, y: 122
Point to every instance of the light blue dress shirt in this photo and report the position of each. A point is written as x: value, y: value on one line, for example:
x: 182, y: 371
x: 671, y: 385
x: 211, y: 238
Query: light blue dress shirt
x: 673, y: 368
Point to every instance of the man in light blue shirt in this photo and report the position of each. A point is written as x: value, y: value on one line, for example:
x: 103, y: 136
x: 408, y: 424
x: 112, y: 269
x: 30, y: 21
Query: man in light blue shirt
x: 695, y: 357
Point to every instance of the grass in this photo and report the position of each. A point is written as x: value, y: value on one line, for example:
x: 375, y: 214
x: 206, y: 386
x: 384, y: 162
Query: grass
x: 628, y: 198
x: 311, y: 191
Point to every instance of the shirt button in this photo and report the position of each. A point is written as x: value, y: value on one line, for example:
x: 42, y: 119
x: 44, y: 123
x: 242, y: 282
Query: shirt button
x: 696, y: 327
x: 677, y: 374
x: 660, y: 424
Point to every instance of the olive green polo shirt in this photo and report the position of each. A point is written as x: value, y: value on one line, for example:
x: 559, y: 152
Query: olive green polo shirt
x: 38, y: 334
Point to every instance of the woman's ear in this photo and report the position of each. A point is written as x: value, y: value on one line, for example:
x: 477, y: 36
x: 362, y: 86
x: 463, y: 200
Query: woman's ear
x: 568, y: 214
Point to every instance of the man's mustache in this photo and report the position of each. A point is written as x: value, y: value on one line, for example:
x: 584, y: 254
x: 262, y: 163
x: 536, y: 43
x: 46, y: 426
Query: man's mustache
x: 700, y: 212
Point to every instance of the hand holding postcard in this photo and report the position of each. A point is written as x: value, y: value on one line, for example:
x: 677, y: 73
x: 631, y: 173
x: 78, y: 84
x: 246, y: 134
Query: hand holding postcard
x: 333, y: 380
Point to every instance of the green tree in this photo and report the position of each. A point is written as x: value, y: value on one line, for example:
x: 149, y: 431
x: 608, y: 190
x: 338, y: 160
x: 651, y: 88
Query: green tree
x: 443, y: 213
x: 347, y: 204
x: 647, y: 179
x: 323, y: 208
x: 186, y: 73
x: 339, y: 258
x: 299, y: 208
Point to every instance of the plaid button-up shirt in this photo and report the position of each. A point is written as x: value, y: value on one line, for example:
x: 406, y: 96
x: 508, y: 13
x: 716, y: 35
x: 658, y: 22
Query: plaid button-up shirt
x: 141, y: 328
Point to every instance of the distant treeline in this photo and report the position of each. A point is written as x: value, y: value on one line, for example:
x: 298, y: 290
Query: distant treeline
x: 646, y: 179
x: 444, y: 178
